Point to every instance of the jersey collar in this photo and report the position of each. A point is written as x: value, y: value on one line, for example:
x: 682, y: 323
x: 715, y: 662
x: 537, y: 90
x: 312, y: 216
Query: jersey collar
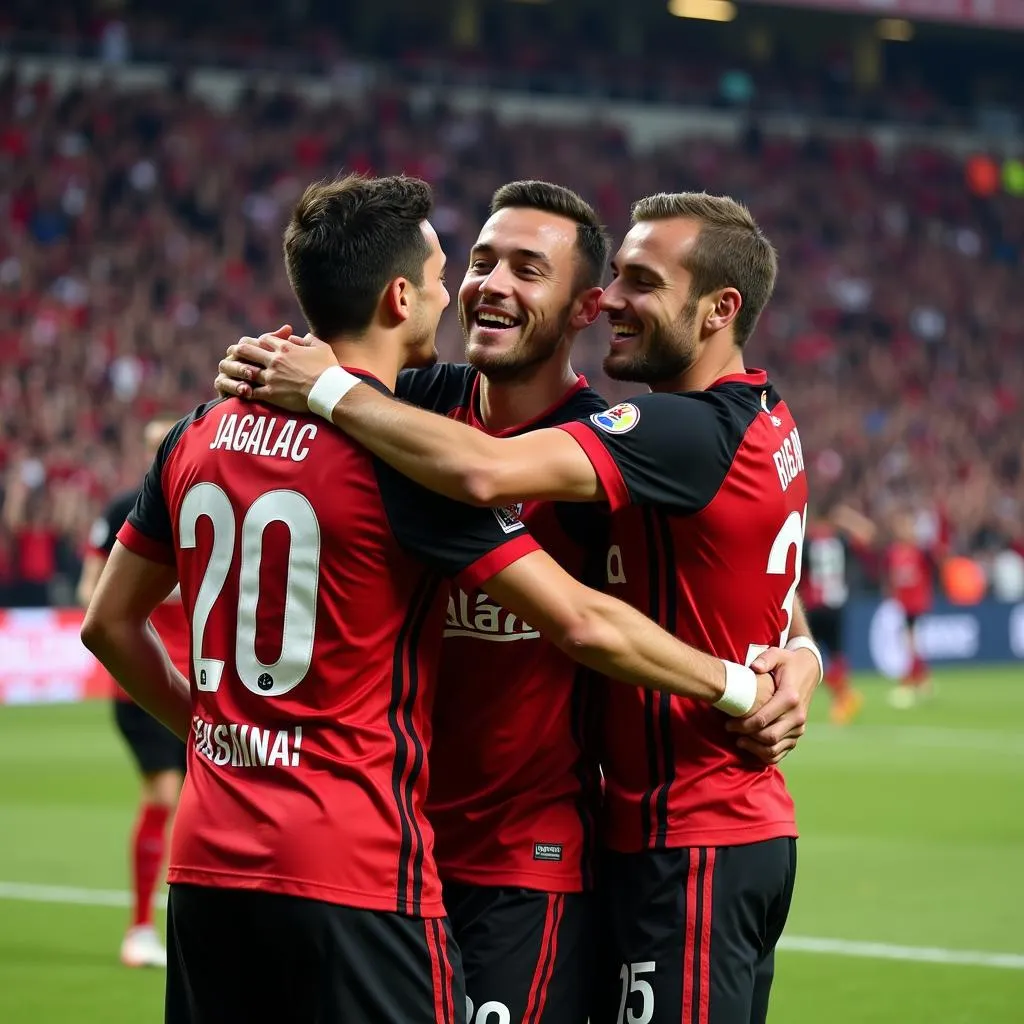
x: 476, y: 420
x: 755, y: 378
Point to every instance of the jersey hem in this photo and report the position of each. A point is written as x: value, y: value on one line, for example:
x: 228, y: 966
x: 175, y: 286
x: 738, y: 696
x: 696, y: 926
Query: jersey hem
x: 731, y: 836
x: 502, y: 878
x: 305, y: 890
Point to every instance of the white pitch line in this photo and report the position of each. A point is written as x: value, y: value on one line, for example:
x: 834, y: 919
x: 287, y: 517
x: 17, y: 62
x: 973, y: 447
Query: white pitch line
x: 67, y: 894
x: 790, y: 943
x: 916, y: 954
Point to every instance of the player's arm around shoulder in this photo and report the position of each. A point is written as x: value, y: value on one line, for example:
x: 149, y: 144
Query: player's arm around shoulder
x: 446, y: 456
x: 614, y: 638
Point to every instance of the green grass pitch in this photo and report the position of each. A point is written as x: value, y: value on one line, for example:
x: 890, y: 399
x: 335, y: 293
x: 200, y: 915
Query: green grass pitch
x: 912, y: 836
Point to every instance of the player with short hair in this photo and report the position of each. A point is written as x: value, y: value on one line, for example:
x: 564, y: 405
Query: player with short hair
x: 158, y: 754
x: 513, y: 802
x: 706, y: 482
x: 311, y: 573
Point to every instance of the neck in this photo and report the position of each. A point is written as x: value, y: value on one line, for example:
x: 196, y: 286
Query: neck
x: 719, y: 359
x: 505, y: 404
x: 373, y: 353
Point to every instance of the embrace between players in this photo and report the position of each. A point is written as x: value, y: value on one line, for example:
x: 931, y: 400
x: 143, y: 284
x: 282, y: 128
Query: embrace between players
x: 584, y: 849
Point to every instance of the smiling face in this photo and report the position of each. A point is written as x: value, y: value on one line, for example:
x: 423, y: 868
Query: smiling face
x: 516, y: 300
x: 650, y: 304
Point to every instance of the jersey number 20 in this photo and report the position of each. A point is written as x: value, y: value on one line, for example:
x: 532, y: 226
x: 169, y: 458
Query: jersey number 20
x: 292, y: 509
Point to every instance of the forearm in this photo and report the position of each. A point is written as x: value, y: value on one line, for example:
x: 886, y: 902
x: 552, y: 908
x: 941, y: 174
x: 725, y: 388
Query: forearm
x: 617, y: 640
x: 136, y: 658
x: 438, y: 453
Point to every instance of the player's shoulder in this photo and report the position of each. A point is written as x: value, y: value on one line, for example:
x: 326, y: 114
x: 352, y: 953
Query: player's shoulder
x: 198, y: 415
x: 441, y: 388
x: 586, y: 402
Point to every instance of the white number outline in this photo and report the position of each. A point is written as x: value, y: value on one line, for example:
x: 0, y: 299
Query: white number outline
x: 492, y: 1008
x: 790, y: 535
x: 300, y: 601
x: 628, y: 976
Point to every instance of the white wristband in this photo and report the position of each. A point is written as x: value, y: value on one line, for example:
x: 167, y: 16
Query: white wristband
x: 329, y: 389
x: 740, y: 690
x: 805, y: 643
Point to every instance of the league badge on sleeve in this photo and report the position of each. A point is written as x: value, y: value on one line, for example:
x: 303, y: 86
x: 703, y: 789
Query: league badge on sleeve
x: 619, y: 419
x: 508, y: 517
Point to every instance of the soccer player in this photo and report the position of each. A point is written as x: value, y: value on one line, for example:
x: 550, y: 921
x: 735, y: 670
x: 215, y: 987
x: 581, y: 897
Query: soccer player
x: 311, y: 576
x: 908, y: 579
x: 824, y: 590
x: 159, y: 755
x: 705, y: 479
x: 514, y: 781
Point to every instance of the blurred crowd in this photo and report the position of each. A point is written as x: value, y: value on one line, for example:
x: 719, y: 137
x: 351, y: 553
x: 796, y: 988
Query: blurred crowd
x: 142, y: 235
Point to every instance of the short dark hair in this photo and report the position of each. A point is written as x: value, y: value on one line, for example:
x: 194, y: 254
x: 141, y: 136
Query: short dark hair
x: 592, y: 241
x: 347, y: 240
x: 730, y: 251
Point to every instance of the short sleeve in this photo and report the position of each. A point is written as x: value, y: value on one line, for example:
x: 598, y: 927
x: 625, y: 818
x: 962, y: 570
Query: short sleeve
x: 467, y: 544
x: 672, y: 450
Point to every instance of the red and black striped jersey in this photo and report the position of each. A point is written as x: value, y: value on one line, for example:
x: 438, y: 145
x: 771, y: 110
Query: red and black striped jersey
x: 709, y: 498
x: 514, y: 781
x: 313, y: 577
x: 168, y: 617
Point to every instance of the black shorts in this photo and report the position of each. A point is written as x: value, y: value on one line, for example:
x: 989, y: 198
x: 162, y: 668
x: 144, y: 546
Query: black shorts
x: 154, y: 747
x: 241, y: 956
x: 689, y: 935
x: 526, y: 954
x: 827, y: 628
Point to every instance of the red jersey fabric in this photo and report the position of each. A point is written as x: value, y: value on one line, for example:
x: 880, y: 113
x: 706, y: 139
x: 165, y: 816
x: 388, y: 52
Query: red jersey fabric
x: 909, y: 577
x: 709, y: 497
x: 514, y: 780
x: 311, y: 574
x: 168, y: 619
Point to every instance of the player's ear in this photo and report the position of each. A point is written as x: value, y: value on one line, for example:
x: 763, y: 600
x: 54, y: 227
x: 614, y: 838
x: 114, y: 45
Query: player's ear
x: 586, y: 308
x: 726, y: 306
x: 398, y: 299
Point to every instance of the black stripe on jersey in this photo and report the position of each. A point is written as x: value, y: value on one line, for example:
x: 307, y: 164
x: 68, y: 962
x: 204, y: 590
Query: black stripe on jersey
x: 670, y: 624
x: 419, y: 754
x: 581, y: 716
x: 651, y: 736
x: 401, y: 702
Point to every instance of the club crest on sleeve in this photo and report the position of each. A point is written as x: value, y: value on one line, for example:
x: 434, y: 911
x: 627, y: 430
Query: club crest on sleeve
x: 619, y: 419
x: 508, y: 517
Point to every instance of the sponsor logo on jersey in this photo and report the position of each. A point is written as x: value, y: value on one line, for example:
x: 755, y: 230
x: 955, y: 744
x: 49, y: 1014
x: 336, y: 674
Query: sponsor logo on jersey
x: 620, y: 419
x: 547, y: 851
x: 479, y: 617
x: 508, y: 517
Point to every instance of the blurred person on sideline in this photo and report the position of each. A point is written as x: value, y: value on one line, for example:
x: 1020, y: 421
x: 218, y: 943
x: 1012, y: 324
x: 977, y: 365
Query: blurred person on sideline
x: 158, y: 754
